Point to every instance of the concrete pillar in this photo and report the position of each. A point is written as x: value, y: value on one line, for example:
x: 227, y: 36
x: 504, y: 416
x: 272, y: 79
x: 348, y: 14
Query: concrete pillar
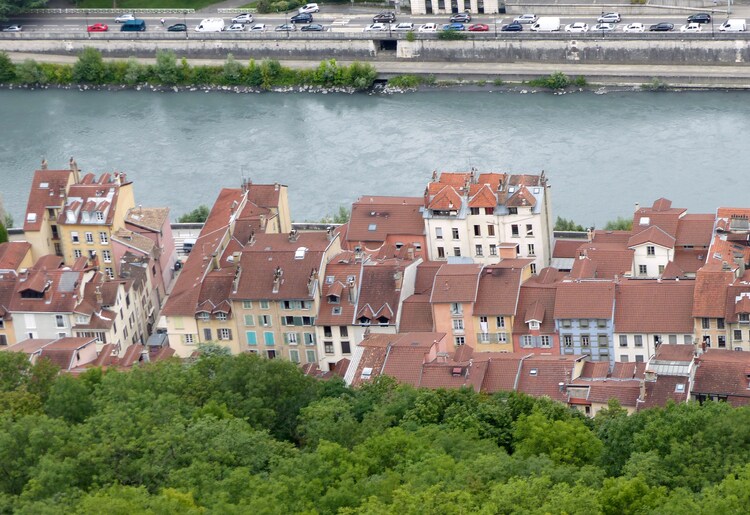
x: 419, y: 6
x: 460, y: 3
x: 491, y: 6
x: 474, y: 6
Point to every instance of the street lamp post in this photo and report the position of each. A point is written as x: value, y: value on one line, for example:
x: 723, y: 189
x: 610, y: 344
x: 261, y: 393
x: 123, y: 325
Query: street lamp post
x: 184, y: 22
x: 87, y: 24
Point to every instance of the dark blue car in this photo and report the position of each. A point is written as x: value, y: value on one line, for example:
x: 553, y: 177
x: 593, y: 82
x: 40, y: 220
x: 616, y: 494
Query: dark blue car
x: 454, y: 26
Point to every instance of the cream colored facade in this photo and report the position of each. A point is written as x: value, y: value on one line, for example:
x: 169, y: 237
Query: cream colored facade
x: 493, y: 333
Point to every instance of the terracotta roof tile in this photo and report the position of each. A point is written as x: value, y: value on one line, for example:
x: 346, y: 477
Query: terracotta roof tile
x: 502, y: 372
x: 669, y: 352
x: 456, y: 283
x: 29, y: 345
x: 664, y: 389
x: 567, y: 248
x: 595, y: 370
x: 521, y: 198
x: 380, y: 288
x: 532, y: 294
x: 737, y: 301
x: 709, y: 298
x: 498, y: 291
x: 695, y: 230
x: 375, y: 218
x: 483, y: 197
x: 585, y: 299
x: 446, y: 199
x: 48, y: 189
x: 151, y: 218
x: 631, y: 370
x: 416, y: 314
x: 724, y: 372
x: 542, y: 375
x: 12, y: 253
x: 653, y: 235
x: 654, y: 307
x: 426, y: 272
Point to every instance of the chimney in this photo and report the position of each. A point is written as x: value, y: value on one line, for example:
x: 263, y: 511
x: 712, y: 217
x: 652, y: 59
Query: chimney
x: 352, y: 291
x: 293, y: 235
x: 251, y: 240
x: 215, y: 260
x: 98, y: 293
x: 590, y: 234
x: 262, y: 219
x: 232, y: 207
x: 236, y: 281
x: 44, y: 164
x: 398, y: 278
x: 329, y: 233
x: 637, y: 207
x: 277, y: 279
x: 312, y: 281
x: 434, y: 176
x: 410, y: 253
x: 276, y: 186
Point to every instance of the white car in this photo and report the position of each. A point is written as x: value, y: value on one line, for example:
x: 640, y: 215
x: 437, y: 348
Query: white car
x: 235, y: 27
x: 404, y: 26
x: 609, y: 18
x: 428, y: 27
x: 243, y: 18
x: 124, y: 17
x: 309, y: 8
x: 526, y: 18
x: 375, y: 27
x: 634, y: 27
x: 577, y: 27
x: 12, y: 28
x: 691, y: 27
x: 603, y: 27
x: 259, y: 27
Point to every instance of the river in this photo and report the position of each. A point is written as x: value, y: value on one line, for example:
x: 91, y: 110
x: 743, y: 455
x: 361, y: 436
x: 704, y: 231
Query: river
x: 602, y: 153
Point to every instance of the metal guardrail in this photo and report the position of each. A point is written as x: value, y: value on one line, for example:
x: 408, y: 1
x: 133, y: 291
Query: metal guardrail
x: 109, y: 11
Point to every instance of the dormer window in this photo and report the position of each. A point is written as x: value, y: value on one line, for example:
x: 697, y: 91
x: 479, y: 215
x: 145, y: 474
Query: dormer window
x: 221, y: 316
x: 456, y: 309
x: 383, y: 320
x: 512, y: 210
x: 534, y: 325
x: 99, y: 216
x: 744, y: 318
x: 203, y: 315
x: 364, y: 321
x: 333, y: 299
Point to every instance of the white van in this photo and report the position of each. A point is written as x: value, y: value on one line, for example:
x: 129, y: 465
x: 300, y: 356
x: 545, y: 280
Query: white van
x: 210, y: 25
x: 733, y: 25
x: 546, y: 24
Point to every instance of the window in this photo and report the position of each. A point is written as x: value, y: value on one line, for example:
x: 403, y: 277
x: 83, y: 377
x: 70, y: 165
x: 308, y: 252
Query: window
x: 457, y: 251
x: 479, y: 250
x: 744, y: 318
x: 720, y: 323
x: 99, y: 216
x: 345, y: 348
x: 309, y: 338
x: 529, y: 230
x: 706, y: 323
x: 532, y: 268
x: 294, y: 355
x: 490, y: 230
x: 456, y: 309
x: 77, y: 253
x: 638, y: 340
x: 459, y: 340
x: 489, y: 210
x: 110, y: 272
x: 249, y: 320
x: 441, y: 253
x: 585, y: 340
x: 493, y: 249
x: 59, y: 321
x: 225, y: 334
x: 514, y: 230
x: 673, y: 339
x: 502, y: 337
x: 310, y: 355
x: 602, y: 340
x: 679, y: 388
x: 343, y: 331
x: 583, y: 322
x: 251, y: 338
x: 207, y: 334
x: 639, y: 359
x: 203, y: 316
x: 327, y: 331
x: 107, y: 256
x: 545, y: 341
x: 534, y: 325
x: 601, y: 323
x: 328, y: 347
x: 500, y: 322
x: 438, y: 233
x: 103, y: 238
x: 565, y: 322
x: 623, y: 340
x: 688, y: 339
x: 567, y: 340
x: 527, y: 341
x: 221, y: 316
x: 650, y: 250
x: 458, y: 324
x: 263, y: 304
x: 531, y: 249
x: 484, y: 338
x: 268, y: 338
x: 455, y: 234
x: 477, y: 230
x: 722, y: 342
x: 624, y: 358
x: 474, y: 210
x: 89, y: 237
x: 512, y: 210
x: 74, y: 237
x: 247, y: 304
x: 265, y: 320
x: 271, y: 354
x: 642, y: 270
x: 188, y: 339
x: 290, y: 338
x: 661, y: 269
x: 737, y: 335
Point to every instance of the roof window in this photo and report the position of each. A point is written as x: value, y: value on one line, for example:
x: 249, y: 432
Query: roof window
x: 31, y: 217
x: 533, y: 372
x: 366, y: 372
x: 300, y: 253
x: 372, y: 227
x: 644, y: 220
x: 679, y: 388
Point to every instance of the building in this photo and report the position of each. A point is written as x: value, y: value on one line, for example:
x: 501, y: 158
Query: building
x: 596, y: 386
x: 584, y: 318
x: 534, y: 329
x: 495, y: 307
x: 722, y: 375
x: 440, y: 7
x: 486, y: 217
x: 669, y: 376
x: 453, y: 296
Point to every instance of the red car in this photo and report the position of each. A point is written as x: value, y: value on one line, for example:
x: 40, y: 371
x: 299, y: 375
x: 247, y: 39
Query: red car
x: 479, y: 27
x: 97, y: 27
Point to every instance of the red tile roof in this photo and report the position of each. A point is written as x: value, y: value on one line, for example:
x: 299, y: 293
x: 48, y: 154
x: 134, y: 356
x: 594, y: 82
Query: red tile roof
x: 567, y: 248
x: 446, y: 199
x: 483, y: 197
x: 532, y: 293
x: 502, y: 371
x: 709, y: 298
x: 374, y: 218
x: 665, y: 388
x: 498, y: 291
x: 585, y: 299
x: 661, y: 214
x: 380, y: 291
x: 456, y: 283
x: 47, y: 190
x: 737, y: 301
x: 631, y: 370
x: 724, y: 372
x: 542, y: 375
x: 669, y: 352
x: 695, y: 230
x: 426, y: 272
x: 595, y: 370
x: 12, y: 254
x: 521, y: 198
x: 653, y: 235
x: 645, y: 306
x: 416, y: 314
x: 339, y: 269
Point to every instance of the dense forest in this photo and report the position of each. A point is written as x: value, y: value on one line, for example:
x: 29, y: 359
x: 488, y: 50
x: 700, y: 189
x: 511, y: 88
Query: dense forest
x: 224, y: 434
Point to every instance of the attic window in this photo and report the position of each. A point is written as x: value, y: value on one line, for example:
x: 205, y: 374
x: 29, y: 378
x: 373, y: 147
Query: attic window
x: 456, y: 371
x: 336, y: 310
x: 44, y: 185
x: 300, y: 253
x: 372, y: 227
x: 349, y: 278
x: 533, y: 372
x: 329, y: 279
x: 533, y: 324
x: 31, y: 217
x: 333, y: 299
x: 366, y: 372
x: 679, y: 388
x: 644, y: 220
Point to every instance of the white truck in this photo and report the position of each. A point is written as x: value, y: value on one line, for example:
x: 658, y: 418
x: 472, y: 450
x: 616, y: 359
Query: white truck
x: 733, y: 25
x: 210, y: 25
x: 546, y: 24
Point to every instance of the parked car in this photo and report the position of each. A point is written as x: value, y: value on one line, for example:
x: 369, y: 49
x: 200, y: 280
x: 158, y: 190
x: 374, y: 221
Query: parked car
x: 98, y: 27
x: 461, y: 17
x: 603, y: 27
x: 375, y: 27
x: 479, y: 27
x: 525, y: 18
x: 12, y: 28
x: 661, y: 27
x: 578, y: 26
x: 243, y: 18
x: 259, y: 27
x: 313, y: 27
x: 428, y: 27
x: 454, y: 26
x: 235, y: 27
x: 512, y: 27
x: 699, y: 18
x: 177, y: 27
x: 691, y: 27
x: 609, y: 18
x: 634, y: 27
x: 286, y: 27
x: 404, y: 26
x: 384, y: 17
x: 124, y: 17
x: 309, y: 8
x: 301, y: 18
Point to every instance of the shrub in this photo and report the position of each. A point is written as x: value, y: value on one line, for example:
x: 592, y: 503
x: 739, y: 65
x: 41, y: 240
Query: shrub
x: 656, y: 84
x: 557, y: 80
x: 405, y: 81
x: 166, y: 67
x: 360, y: 75
x: 134, y: 72
x: 89, y: 68
x: 29, y: 72
x: 410, y: 36
x: 580, y: 81
x: 7, y: 68
x: 232, y: 72
x: 498, y: 82
x: 451, y: 35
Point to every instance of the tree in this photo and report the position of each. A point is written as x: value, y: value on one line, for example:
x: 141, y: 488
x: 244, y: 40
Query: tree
x: 563, y: 224
x: 12, y: 7
x: 3, y: 233
x: 89, y: 68
x: 197, y: 215
x: 232, y: 72
x: 166, y: 67
x: 620, y: 224
x: 7, y: 72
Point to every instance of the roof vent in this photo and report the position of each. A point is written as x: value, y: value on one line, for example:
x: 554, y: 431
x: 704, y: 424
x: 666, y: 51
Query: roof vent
x: 533, y: 372
x: 300, y: 253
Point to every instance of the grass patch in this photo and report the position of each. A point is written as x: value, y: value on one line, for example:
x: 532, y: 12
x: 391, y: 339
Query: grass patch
x: 128, y: 5
x: 557, y: 80
x: 656, y: 84
x: 406, y: 81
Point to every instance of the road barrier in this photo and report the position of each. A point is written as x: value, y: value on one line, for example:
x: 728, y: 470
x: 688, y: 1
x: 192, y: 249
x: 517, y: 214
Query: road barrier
x: 109, y: 11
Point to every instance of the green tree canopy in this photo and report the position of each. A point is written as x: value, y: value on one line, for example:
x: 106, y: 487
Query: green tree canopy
x: 197, y: 215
